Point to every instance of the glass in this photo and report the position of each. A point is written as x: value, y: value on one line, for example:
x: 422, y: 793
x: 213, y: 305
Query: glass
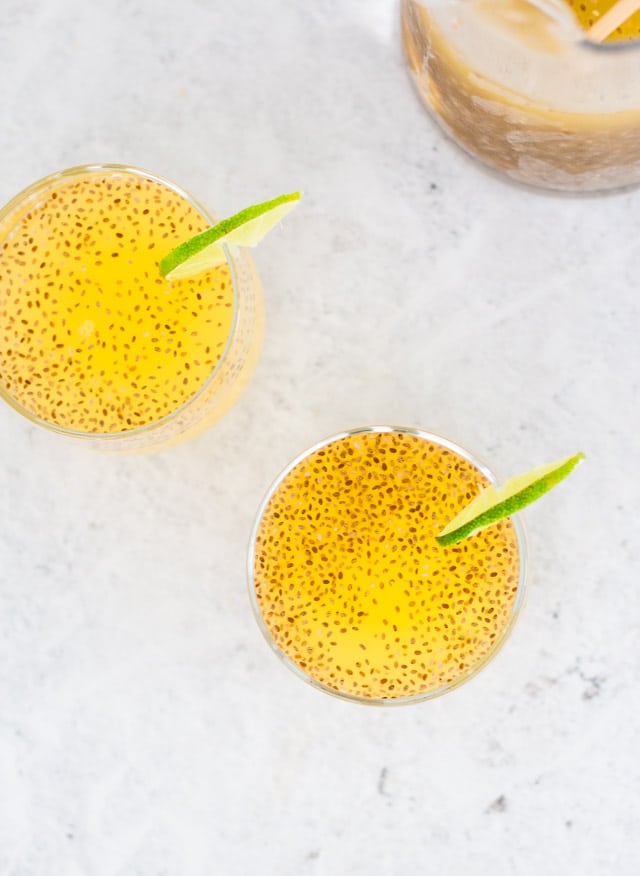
x: 517, y: 85
x: 350, y: 587
x: 94, y: 343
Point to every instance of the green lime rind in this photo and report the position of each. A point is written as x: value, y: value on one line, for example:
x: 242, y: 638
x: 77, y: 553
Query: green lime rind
x: 249, y: 225
x: 496, y: 503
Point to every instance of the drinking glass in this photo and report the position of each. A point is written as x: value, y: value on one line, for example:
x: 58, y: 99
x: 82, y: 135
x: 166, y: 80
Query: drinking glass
x: 349, y: 585
x: 94, y: 343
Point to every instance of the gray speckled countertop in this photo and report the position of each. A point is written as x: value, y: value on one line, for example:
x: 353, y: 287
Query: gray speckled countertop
x: 145, y: 728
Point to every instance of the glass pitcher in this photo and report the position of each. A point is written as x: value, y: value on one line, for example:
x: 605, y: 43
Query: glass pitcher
x: 517, y: 85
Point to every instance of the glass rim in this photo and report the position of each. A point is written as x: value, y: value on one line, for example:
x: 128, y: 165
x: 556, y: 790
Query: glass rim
x: 78, y: 170
x: 516, y: 607
x: 575, y: 35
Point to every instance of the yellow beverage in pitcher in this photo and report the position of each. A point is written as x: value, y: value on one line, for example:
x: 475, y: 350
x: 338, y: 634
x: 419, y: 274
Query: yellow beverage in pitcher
x: 348, y: 581
x: 93, y: 341
x: 589, y: 11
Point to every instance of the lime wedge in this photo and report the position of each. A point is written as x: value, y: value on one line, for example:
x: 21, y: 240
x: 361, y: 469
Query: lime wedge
x: 246, y: 228
x: 494, y: 503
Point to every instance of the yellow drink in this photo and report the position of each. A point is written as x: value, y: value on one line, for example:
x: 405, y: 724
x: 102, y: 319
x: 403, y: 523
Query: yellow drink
x: 589, y: 11
x: 349, y: 583
x: 93, y: 341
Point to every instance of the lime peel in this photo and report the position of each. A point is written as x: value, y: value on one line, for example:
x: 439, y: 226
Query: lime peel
x: 495, y: 503
x: 246, y: 228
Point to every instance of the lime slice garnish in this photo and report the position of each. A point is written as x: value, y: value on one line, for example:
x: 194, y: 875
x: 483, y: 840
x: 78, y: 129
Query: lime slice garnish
x: 494, y: 503
x: 246, y: 228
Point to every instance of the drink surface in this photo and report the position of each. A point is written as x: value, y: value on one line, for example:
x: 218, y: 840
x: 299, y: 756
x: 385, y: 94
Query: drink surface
x: 92, y: 338
x: 353, y: 587
x: 588, y: 11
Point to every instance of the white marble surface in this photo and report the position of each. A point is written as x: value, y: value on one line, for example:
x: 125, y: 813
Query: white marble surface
x: 145, y: 727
